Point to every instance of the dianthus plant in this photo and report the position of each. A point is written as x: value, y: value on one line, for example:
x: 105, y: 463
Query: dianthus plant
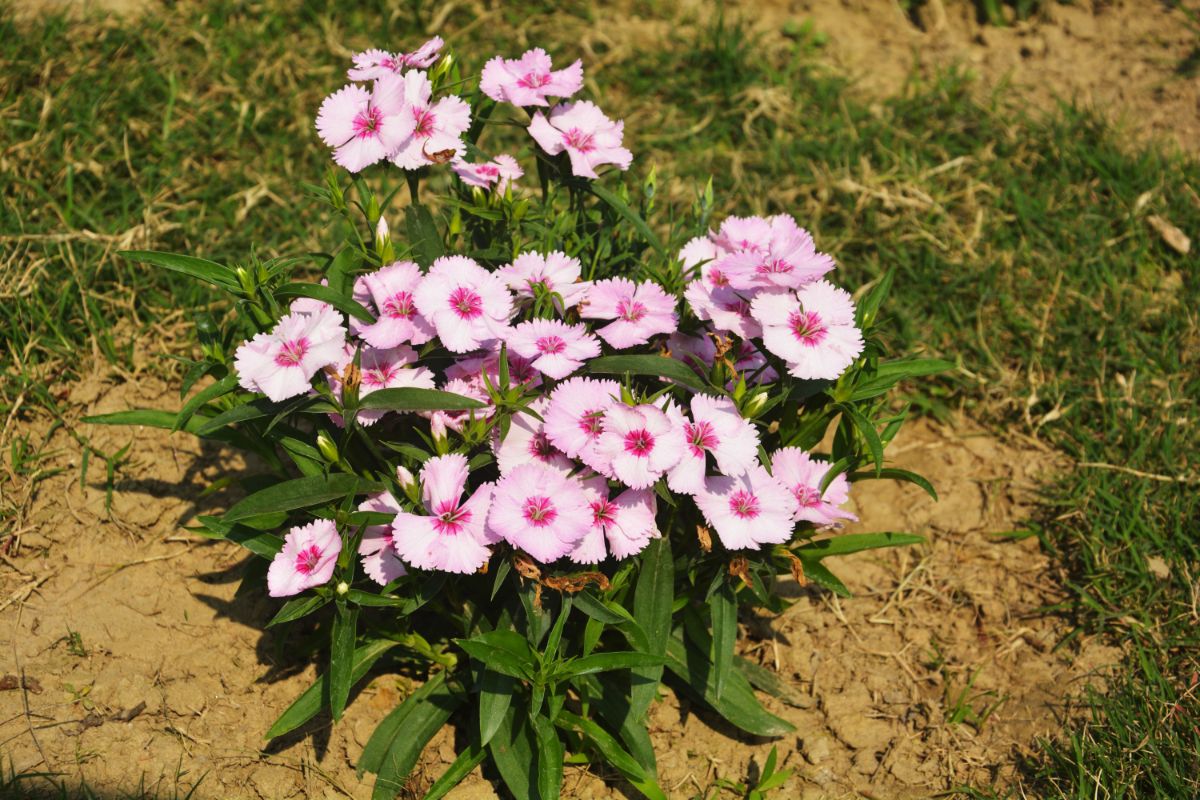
x: 528, y: 433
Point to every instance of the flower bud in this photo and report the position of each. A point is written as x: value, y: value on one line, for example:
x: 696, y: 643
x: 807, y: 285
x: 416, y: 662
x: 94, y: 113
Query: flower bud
x: 327, y: 447
x: 343, y: 588
x: 754, y: 404
x: 381, y: 228
x: 245, y: 279
x: 405, y: 478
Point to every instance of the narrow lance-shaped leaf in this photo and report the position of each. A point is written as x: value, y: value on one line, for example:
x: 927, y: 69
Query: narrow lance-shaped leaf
x: 651, y: 365
x: 652, y: 601
x: 549, y: 759
x: 341, y: 657
x: 723, y: 606
x: 326, y: 294
x: 205, y: 395
x: 417, y: 399
x: 425, y: 720
x: 300, y: 493
x: 217, y: 274
x: 622, y: 208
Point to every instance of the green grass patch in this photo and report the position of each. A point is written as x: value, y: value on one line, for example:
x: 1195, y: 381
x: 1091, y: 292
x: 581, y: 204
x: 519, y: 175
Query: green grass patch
x: 1021, y: 245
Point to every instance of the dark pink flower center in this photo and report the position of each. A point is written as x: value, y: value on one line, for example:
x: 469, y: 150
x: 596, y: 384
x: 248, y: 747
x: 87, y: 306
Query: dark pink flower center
x: 603, y: 512
x: 534, y: 79
x: 399, y: 306
x: 776, y: 266
x: 450, y: 518
x: 735, y: 306
x: 466, y: 303
x: 292, y: 353
x: 716, y: 277
x: 424, y: 121
x: 541, y: 448
x: 631, y: 310
x: 807, y: 327
x: 639, y: 443
x: 551, y: 345
x: 487, y: 171
x: 589, y: 423
x: 539, y: 511
x: 807, y: 496
x: 307, y: 559
x: 744, y: 504
x: 380, y: 376
x: 366, y: 123
x: 700, y: 436
x: 579, y: 140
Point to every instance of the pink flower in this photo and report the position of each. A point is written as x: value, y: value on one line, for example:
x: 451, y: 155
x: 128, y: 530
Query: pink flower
x: 716, y: 427
x: 528, y: 80
x: 370, y: 65
x: 555, y: 272
x: 441, y: 421
x: 527, y: 441
x: 437, y: 128
x: 472, y: 367
x: 365, y: 127
x: 281, y: 364
x: 389, y: 292
x: 727, y: 308
x: 802, y: 475
x: 451, y: 538
x: 812, y: 330
x: 637, y: 444
x: 380, y: 561
x: 393, y: 368
x: 307, y: 559
x: 467, y: 305
x: 540, y: 510
x: 575, y: 418
x: 590, y: 138
x: 627, y: 523
x: 699, y: 353
x: 638, y: 311
x: 503, y: 171
x: 307, y: 305
x: 556, y: 348
x: 748, y: 511
x: 784, y: 257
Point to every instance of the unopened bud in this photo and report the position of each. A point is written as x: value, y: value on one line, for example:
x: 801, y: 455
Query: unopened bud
x: 754, y: 404
x: 327, y: 447
x: 245, y: 279
x: 405, y: 478
x: 343, y: 588
x: 381, y: 229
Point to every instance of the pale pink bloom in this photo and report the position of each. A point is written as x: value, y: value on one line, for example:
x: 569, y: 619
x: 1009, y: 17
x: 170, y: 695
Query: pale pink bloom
x: 753, y: 365
x: 370, y: 65
x: 529, y: 80
x: 307, y: 559
x: 637, y: 444
x: 527, y: 441
x: 437, y: 128
x: 788, y: 259
x: 716, y: 427
x: 638, y: 311
x: 451, y: 538
x: 540, y: 510
x: 575, y: 417
x: 380, y: 561
x: 812, y: 329
x: 555, y: 272
x: 502, y: 171
x: 802, y: 475
x: 365, y: 127
x: 281, y: 364
x: 389, y: 293
x: 749, y: 510
x: 698, y: 251
x: 393, y: 368
x: 727, y: 308
x: 471, y: 368
x: 590, y: 138
x: 626, y: 522
x: 467, y: 305
x: 556, y: 348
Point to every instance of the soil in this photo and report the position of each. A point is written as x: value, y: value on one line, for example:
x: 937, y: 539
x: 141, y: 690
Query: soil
x: 138, y: 659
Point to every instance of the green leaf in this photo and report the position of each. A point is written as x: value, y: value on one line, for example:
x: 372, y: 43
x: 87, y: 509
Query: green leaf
x: 412, y: 398
x: 767, y: 681
x: 897, y: 474
x: 310, y: 703
x: 421, y: 724
x: 327, y: 294
x: 819, y: 574
x: 495, y: 696
x: 217, y: 274
x: 853, y: 543
x: 737, y: 703
x: 260, y: 407
x: 341, y: 657
x: 423, y: 235
x: 868, y: 309
x: 340, y: 270
x: 261, y: 543
x: 604, y: 662
x: 549, y: 759
x: 655, y: 366
x: 300, y: 493
x: 622, y: 208
x: 297, y: 608
x: 723, y: 606
x: 653, y: 598
x: 467, y: 760
x: 512, y: 750
x: 380, y: 742
x: 865, y: 427
x: 889, y: 373
x: 612, y: 752
x: 205, y: 395
x: 359, y: 597
x: 504, y: 651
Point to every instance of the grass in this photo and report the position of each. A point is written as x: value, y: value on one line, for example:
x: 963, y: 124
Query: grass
x: 1021, y: 246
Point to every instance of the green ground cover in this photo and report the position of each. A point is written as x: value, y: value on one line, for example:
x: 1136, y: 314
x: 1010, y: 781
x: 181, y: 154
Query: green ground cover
x: 1021, y: 245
